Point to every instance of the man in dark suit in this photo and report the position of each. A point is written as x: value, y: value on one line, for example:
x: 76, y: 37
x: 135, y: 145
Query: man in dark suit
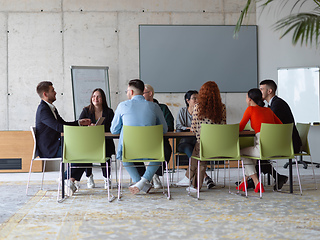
x: 282, y: 110
x: 49, y: 124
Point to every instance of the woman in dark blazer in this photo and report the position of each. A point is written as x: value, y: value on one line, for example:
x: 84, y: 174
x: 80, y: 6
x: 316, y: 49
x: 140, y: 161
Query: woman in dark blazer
x: 99, y: 108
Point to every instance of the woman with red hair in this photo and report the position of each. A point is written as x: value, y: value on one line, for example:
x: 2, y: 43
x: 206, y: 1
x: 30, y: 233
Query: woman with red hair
x: 208, y: 110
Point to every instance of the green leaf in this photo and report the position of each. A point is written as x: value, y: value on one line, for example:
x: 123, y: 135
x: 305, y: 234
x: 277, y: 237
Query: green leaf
x: 305, y: 27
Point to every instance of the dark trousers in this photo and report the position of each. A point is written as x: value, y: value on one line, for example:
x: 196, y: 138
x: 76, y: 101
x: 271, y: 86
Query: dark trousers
x: 167, y: 155
x: 76, y: 173
x: 267, y: 168
x: 103, y: 169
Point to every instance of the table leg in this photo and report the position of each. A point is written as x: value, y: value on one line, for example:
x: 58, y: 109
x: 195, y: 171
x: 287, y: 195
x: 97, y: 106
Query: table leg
x: 290, y: 176
x: 62, y: 179
x: 62, y: 170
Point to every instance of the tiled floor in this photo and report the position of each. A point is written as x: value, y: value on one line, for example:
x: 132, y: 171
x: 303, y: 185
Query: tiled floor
x: 218, y: 215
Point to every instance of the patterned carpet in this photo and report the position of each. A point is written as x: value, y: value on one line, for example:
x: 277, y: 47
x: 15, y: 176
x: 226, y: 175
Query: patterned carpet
x: 218, y: 215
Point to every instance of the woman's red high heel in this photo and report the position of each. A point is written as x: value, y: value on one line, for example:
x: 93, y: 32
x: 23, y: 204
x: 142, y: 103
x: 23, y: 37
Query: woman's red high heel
x: 257, y: 189
x: 241, y: 186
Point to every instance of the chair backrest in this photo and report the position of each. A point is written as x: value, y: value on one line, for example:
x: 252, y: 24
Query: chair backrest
x: 143, y: 142
x: 248, y: 127
x: 303, y: 129
x: 33, y: 132
x: 84, y: 144
x: 219, y: 141
x: 246, y: 141
x: 276, y: 141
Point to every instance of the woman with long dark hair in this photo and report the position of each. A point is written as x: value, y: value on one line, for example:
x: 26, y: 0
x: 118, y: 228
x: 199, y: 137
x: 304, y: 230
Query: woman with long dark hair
x: 99, y: 108
x: 257, y: 114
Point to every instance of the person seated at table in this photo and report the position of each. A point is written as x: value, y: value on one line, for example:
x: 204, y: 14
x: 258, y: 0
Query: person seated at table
x: 148, y: 95
x: 137, y: 112
x: 257, y: 114
x: 99, y: 108
x: 280, y: 108
x: 183, y: 124
x: 49, y: 126
x: 208, y: 110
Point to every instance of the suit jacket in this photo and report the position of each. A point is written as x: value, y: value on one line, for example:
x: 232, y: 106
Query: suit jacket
x: 167, y: 115
x: 283, y: 112
x: 108, y: 114
x: 48, y: 130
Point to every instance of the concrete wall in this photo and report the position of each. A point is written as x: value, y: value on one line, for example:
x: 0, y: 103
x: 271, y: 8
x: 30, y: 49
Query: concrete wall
x: 277, y: 53
x: 40, y: 40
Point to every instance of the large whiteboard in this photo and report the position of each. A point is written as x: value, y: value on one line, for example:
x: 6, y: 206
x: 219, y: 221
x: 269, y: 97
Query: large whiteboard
x: 299, y: 87
x: 178, y: 58
x: 84, y: 80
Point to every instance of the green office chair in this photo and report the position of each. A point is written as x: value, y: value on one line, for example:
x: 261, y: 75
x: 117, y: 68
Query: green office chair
x: 249, y: 142
x: 303, y: 129
x: 275, y: 143
x: 85, y: 145
x: 218, y: 143
x: 246, y: 141
x: 213, y: 165
x: 143, y: 144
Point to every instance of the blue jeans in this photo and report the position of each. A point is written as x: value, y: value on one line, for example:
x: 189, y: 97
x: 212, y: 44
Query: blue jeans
x: 134, y: 174
x: 186, y: 148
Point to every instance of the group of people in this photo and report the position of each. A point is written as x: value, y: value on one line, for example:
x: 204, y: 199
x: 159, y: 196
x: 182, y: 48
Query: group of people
x: 141, y: 109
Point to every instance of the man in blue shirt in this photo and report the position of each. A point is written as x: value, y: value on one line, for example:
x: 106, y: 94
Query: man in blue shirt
x: 137, y: 112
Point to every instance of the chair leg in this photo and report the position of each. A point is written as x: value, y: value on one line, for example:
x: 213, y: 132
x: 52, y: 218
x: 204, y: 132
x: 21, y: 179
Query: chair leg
x: 314, y: 175
x: 239, y: 172
x: 119, y: 185
x: 107, y: 168
x: 169, y: 196
x: 224, y: 174
x: 275, y: 177
x: 189, y: 193
x: 260, y: 178
x: 178, y: 163
x: 116, y: 168
x: 173, y: 159
x: 217, y: 171
x: 162, y: 182
x: 110, y: 195
x: 67, y: 169
x: 29, y: 176
x: 198, y: 183
x: 59, y: 182
x: 44, y: 168
x: 244, y: 179
x: 62, y: 166
x: 298, y: 174
x: 229, y: 176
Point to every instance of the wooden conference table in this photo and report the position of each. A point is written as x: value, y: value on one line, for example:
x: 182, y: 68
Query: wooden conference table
x: 186, y: 134
x: 181, y: 134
